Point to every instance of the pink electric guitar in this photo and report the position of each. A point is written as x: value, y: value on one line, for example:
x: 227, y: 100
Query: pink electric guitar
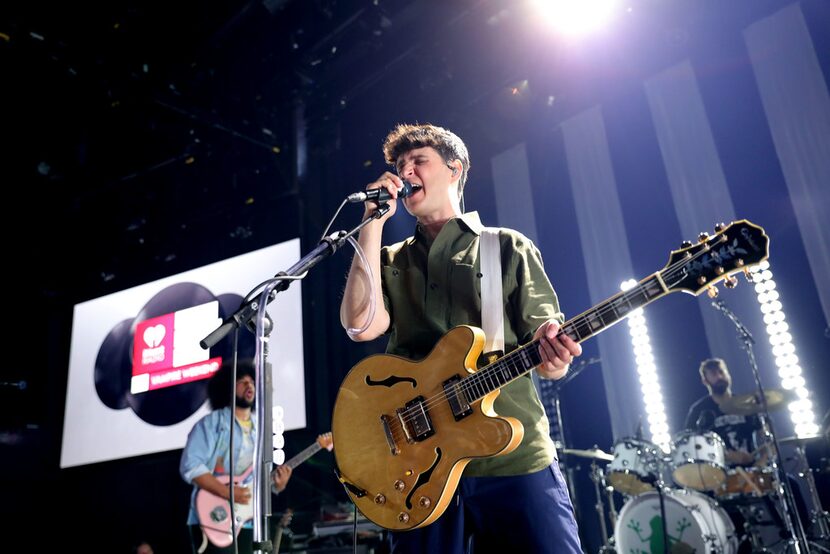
x: 214, y: 511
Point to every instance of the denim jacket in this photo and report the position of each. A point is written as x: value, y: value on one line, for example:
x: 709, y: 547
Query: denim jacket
x: 207, y: 444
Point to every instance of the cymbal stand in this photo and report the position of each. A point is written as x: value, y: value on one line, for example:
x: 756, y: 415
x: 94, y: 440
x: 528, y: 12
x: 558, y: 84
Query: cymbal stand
x: 795, y: 527
x: 598, y: 477
x: 819, y: 518
x: 612, y: 508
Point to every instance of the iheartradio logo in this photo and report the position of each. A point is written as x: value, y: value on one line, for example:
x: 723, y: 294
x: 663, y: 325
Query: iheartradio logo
x: 154, y: 335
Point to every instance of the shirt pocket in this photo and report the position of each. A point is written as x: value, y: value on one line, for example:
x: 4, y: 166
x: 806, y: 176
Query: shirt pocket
x: 465, y: 295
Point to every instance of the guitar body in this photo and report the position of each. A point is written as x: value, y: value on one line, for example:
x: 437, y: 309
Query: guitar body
x: 412, y: 487
x: 215, y: 513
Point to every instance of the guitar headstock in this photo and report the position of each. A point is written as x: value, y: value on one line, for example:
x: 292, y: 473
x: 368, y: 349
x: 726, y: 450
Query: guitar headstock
x: 733, y: 248
x: 325, y: 441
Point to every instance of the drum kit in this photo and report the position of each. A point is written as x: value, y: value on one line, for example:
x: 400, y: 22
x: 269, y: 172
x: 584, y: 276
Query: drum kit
x: 686, y: 500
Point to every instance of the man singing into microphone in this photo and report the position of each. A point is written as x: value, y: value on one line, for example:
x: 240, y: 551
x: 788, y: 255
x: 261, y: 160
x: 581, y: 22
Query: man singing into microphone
x: 430, y: 283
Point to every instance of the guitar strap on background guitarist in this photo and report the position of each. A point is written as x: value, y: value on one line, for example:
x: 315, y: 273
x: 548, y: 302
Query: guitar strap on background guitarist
x: 492, y: 303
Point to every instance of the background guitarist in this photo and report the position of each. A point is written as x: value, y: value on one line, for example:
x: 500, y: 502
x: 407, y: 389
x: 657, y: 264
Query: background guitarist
x: 428, y: 284
x: 206, y: 455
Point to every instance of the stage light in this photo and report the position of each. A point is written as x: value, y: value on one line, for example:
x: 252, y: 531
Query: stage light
x: 647, y: 371
x: 784, y: 350
x: 575, y: 17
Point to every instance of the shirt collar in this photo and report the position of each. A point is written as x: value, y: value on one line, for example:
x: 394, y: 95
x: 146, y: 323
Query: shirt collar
x: 469, y: 220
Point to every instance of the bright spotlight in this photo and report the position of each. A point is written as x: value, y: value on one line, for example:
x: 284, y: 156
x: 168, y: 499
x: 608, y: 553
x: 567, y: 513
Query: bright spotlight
x: 783, y: 348
x: 647, y: 370
x: 576, y: 16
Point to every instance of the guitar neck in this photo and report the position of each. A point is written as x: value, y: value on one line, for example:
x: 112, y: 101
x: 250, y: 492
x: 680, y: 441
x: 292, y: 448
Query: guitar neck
x: 304, y: 455
x: 587, y: 324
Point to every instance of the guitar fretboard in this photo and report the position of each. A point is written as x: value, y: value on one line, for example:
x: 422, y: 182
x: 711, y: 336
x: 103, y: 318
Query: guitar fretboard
x: 303, y: 455
x: 589, y: 323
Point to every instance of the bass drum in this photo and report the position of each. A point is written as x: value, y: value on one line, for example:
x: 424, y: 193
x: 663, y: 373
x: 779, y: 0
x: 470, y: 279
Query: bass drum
x: 694, y: 523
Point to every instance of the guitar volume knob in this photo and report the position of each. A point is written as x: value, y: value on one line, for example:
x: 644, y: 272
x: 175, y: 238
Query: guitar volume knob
x: 380, y: 499
x: 403, y: 517
x: 424, y: 502
x: 399, y: 485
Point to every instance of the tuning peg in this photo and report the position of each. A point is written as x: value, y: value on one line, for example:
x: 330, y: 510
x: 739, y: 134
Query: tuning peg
x: 686, y: 244
x: 720, y: 227
x: 712, y: 291
x: 703, y: 237
x: 730, y: 282
x: 748, y: 275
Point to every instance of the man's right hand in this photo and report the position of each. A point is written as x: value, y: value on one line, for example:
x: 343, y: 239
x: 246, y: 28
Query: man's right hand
x: 739, y: 457
x: 392, y: 183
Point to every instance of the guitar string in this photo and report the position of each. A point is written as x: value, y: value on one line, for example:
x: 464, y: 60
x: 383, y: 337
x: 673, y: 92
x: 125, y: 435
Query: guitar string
x: 478, y: 379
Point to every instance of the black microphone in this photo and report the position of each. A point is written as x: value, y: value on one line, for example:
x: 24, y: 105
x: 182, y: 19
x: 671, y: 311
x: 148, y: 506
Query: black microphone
x: 380, y: 194
x: 705, y: 421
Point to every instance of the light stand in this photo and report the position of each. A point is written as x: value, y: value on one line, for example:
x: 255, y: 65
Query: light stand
x: 791, y: 517
x: 263, y: 448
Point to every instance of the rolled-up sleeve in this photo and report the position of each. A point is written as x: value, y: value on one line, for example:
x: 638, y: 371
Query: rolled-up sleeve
x: 196, y: 453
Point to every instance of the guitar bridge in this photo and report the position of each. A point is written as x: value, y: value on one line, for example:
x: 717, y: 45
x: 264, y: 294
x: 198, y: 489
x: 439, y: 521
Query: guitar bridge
x: 415, y: 421
x: 387, y: 431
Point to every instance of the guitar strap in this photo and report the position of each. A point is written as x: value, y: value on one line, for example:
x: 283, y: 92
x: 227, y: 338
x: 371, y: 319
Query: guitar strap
x: 492, y: 303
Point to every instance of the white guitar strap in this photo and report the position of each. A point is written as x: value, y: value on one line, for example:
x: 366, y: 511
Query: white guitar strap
x: 492, y: 304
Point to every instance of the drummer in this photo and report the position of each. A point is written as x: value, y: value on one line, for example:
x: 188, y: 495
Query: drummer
x: 741, y: 434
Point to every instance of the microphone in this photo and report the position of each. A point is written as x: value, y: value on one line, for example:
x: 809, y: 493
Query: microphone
x: 705, y: 421
x: 380, y: 194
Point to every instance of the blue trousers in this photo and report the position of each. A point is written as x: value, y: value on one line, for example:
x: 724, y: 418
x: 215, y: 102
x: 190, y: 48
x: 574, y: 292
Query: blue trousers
x: 523, y: 513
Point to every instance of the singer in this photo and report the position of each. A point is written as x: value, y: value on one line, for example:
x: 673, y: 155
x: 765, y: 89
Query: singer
x: 430, y: 283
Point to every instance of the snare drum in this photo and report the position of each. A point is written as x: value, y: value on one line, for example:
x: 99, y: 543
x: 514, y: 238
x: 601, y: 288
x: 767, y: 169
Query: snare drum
x: 698, y: 460
x: 747, y: 481
x: 635, y: 467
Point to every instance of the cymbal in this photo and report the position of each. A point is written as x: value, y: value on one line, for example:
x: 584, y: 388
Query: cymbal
x: 594, y: 453
x: 749, y: 404
x: 799, y: 440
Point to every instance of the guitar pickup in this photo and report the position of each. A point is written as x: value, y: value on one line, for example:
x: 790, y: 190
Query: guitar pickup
x: 415, y: 420
x: 456, y: 398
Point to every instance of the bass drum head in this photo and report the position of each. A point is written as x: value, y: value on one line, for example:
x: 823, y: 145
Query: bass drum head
x: 694, y: 523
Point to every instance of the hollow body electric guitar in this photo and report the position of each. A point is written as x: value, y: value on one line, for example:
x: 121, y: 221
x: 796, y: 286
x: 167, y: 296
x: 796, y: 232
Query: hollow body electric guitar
x: 404, y: 430
x: 214, y: 511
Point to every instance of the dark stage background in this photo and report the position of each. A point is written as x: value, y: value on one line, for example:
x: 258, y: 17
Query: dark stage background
x: 146, y: 139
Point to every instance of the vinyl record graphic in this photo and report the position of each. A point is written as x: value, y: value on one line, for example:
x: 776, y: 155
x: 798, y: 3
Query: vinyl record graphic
x: 114, y: 366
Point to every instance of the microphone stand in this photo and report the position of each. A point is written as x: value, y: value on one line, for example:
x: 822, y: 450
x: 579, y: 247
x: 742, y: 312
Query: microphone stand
x: 261, y: 326
x: 791, y: 517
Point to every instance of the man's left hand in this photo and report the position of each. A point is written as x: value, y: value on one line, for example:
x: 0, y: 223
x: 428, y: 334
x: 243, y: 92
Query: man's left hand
x: 281, y: 476
x: 557, y: 350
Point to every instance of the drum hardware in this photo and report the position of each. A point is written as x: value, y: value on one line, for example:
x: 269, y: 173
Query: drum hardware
x: 598, y: 477
x: 819, y: 524
x: 759, y: 404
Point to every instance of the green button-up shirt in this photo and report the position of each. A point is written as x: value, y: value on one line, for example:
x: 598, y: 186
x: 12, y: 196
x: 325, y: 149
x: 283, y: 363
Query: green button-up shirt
x: 429, y: 287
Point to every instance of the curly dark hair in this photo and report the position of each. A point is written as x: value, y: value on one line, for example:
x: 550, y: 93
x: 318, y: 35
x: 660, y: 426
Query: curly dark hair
x: 221, y: 385
x: 406, y: 137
